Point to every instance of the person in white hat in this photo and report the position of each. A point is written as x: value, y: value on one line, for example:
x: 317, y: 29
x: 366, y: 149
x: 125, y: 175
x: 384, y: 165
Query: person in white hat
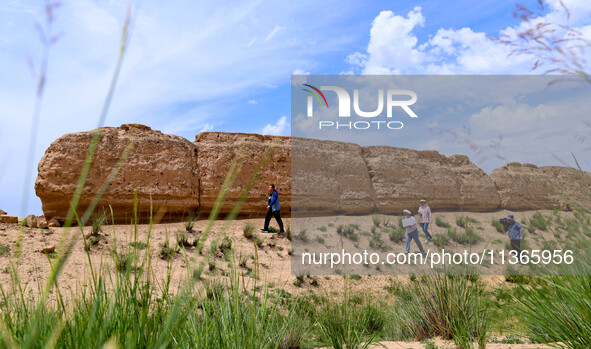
x: 412, y: 232
x: 425, y: 219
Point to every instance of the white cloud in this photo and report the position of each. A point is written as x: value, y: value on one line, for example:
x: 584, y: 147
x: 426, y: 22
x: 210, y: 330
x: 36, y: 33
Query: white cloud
x: 300, y: 72
x: 393, y: 47
x: 206, y: 127
x: 273, y: 32
x: 252, y: 101
x: 279, y: 129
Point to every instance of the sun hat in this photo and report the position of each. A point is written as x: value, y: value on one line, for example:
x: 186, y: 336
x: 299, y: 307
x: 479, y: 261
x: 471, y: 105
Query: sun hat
x: 511, y: 217
x: 422, y: 200
x: 407, y: 211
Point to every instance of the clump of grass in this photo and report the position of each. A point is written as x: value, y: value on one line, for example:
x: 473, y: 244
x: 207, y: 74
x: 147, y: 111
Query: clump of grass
x: 469, y: 237
x: 453, y: 308
x: 376, y: 241
x: 348, y: 325
x: 376, y: 221
x: 558, y: 310
x: 182, y: 239
x: 140, y: 245
x: 441, y: 223
x: 320, y: 240
x: 538, y: 222
x: 4, y: 250
x: 441, y: 240
x: 322, y: 229
x: 97, y: 224
x: 348, y: 231
x: 302, y: 236
x: 167, y: 252
x: 248, y: 230
x: 190, y: 223
x: 497, y: 225
x: 397, y: 234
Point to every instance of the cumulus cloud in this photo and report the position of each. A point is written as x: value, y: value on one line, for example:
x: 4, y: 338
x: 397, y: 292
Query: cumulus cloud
x: 394, y: 48
x: 279, y: 129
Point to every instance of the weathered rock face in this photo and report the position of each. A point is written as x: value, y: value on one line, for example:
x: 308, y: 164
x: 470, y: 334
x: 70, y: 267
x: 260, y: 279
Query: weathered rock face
x: 401, y: 177
x: 260, y: 161
x: 159, y: 168
x: 182, y: 178
x: 329, y: 177
x: 31, y: 221
x: 8, y: 219
x: 527, y: 186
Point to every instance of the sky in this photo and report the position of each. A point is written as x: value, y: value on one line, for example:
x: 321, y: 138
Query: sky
x: 227, y: 65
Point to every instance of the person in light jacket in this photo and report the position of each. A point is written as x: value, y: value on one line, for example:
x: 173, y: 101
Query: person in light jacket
x: 425, y: 219
x: 273, y: 209
x: 412, y: 232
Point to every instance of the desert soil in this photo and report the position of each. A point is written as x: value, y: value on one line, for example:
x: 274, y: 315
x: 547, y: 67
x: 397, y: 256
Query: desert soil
x: 26, y: 250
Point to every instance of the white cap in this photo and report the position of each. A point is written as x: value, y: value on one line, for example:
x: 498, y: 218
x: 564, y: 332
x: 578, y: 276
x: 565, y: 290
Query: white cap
x: 407, y: 211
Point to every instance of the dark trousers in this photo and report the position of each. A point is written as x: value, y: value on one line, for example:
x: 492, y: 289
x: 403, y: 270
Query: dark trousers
x: 277, y: 216
x: 516, y: 246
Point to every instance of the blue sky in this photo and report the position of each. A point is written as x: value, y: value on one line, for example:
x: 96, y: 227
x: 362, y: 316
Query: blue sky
x: 226, y: 66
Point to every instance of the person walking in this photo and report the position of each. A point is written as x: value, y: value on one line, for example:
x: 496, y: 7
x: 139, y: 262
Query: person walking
x: 412, y: 232
x: 273, y: 208
x: 515, y: 235
x: 425, y: 219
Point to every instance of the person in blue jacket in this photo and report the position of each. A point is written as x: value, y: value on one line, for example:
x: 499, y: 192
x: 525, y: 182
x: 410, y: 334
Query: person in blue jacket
x: 273, y: 208
x: 515, y: 235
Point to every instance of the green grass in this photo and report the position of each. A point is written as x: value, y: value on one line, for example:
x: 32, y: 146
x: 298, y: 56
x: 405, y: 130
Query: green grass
x: 497, y: 225
x: 441, y: 240
x: 441, y: 223
x: 248, y: 230
x: 468, y: 237
x: 4, y: 250
x: 397, y: 234
x: 452, y: 308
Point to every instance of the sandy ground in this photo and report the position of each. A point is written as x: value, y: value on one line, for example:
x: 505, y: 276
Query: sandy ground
x: 26, y: 251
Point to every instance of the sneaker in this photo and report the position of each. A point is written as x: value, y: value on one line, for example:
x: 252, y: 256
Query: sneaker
x: 264, y: 231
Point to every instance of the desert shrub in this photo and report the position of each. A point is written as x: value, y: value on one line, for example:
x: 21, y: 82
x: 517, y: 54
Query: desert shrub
x: 322, y: 229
